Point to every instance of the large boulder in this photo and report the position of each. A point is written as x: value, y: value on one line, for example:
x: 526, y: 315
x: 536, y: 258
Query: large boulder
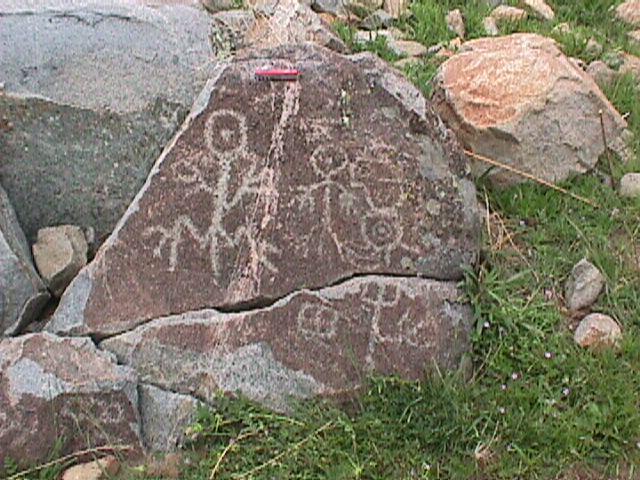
x: 274, y: 187
x: 322, y: 342
x: 518, y: 100
x: 93, y: 90
x: 22, y: 292
x: 63, y: 394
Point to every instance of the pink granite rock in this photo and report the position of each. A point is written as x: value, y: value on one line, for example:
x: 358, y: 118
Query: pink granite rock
x: 519, y: 100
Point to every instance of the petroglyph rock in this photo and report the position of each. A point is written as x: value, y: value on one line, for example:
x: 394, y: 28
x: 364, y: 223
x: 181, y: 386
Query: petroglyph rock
x: 63, y: 389
x: 322, y: 342
x: 22, y: 292
x: 274, y: 187
x: 93, y: 90
x: 519, y: 100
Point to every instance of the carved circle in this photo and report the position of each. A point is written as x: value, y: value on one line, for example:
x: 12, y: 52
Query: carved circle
x: 226, y: 133
x: 381, y: 230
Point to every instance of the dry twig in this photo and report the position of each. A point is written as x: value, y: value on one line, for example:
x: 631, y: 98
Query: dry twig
x: 71, y: 456
x: 528, y: 176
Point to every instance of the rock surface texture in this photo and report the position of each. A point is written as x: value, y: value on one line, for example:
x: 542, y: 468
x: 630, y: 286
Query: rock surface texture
x: 629, y: 12
x: 598, y: 331
x: 306, y: 213
x: 304, y: 185
x: 22, y: 292
x: 520, y: 101
x: 321, y: 342
x: 583, y: 286
x: 64, y: 390
x: 92, y: 91
x: 282, y: 22
x: 59, y: 254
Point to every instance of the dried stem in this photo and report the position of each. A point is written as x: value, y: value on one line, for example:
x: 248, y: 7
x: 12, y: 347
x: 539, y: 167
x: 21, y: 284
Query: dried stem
x: 528, y: 176
x: 72, y: 456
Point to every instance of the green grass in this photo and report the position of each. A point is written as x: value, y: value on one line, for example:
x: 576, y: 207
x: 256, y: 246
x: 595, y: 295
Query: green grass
x: 537, y: 406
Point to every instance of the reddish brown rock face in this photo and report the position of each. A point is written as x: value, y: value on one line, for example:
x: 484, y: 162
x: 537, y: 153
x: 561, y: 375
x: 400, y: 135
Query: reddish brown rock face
x: 275, y: 187
x: 62, y: 390
x: 324, y: 342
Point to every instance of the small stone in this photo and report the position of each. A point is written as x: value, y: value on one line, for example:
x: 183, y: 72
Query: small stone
x: 455, y: 44
x: 396, y: 8
x: 541, y: 9
x: 100, y: 469
x: 490, y: 26
x: 455, y: 22
x: 505, y: 13
x: 635, y: 36
x: 601, y: 73
x: 378, y: 19
x: 584, y: 285
x: 365, y: 36
x: 597, y: 331
x: 593, y: 48
x: 407, y: 48
x: 562, y: 28
x: 59, y: 254
x: 407, y: 62
x: 214, y: 6
x: 629, y: 12
x: 630, y: 185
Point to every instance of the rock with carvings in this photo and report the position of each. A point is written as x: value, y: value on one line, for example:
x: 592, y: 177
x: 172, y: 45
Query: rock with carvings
x: 520, y: 101
x: 274, y: 191
x: 63, y: 393
x: 22, y: 292
x: 93, y: 90
x: 312, y: 342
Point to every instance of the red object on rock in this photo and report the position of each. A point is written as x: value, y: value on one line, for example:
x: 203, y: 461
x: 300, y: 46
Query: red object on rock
x: 275, y: 74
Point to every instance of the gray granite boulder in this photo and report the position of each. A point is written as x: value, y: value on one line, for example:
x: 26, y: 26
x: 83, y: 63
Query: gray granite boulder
x: 22, y: 292
x: 93, y: 90
x: 63, y: 393
x: 274, y: 187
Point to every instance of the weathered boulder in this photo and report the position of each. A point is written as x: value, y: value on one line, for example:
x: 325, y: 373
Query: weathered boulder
x: 520, y: 101
x: 274, y: 187
x: 22, y: 292
x: 323, y: 342
x: 59, y: 254
x: 283, y: 22
x: 93, y: 90
x: 64, y: 393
